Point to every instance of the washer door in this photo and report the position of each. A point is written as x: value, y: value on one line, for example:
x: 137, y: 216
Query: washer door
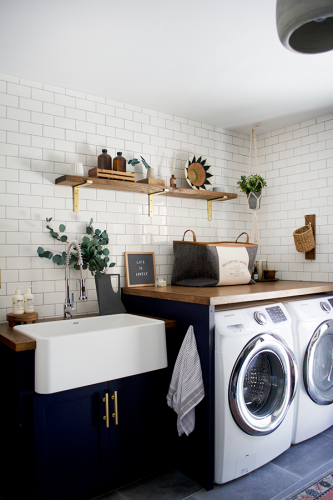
x: 318, y: 365
x: 262, y: 385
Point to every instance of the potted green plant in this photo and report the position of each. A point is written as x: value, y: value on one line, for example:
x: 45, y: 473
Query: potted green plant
x: 252, y: 186
x: 150, y: 170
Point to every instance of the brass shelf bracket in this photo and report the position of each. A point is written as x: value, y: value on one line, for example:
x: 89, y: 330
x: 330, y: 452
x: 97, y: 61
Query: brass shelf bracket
x: 209, y: 206
x: 151, y: 201
x: 76, y: 194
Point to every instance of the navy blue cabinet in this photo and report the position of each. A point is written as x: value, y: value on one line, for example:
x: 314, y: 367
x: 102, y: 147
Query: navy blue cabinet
x: 16, y: 423
x: 79, y: 451
x: 193, y: 455
x: 141, y: 442
x: 71, y: 442
x: 58, y: 446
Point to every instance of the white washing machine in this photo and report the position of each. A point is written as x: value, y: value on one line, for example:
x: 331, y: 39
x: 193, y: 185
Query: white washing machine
x: 255, y: 383
x: 312, y: 325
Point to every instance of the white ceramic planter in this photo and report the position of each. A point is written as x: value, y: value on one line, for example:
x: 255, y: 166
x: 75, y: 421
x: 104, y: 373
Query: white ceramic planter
x: 150, y: 173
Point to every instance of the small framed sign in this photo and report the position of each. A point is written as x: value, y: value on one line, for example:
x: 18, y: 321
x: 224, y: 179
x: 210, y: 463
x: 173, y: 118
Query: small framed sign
x: 140, y: 269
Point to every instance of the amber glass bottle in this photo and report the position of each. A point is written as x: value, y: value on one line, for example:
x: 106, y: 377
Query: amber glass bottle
x: 104, y: 160
x: 119, y: 163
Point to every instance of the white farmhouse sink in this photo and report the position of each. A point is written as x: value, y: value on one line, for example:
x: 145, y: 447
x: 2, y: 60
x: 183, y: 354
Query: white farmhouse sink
x: 75, y: 353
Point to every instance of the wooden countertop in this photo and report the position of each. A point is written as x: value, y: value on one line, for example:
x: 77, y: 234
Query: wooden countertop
x: 15, y: 340
x: 19, y: 342
x: 221, y: 297
x: 227, y: 295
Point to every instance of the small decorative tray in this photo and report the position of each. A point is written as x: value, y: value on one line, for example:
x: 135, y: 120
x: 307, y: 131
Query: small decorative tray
x: 113, y: 175
x: 17, y: 319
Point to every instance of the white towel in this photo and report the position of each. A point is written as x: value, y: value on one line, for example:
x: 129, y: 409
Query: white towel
x: 186, y: 388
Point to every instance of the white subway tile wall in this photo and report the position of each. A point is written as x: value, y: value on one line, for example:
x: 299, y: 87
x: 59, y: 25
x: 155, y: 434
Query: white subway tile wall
x: 297, y: 162
x: 44, y: 128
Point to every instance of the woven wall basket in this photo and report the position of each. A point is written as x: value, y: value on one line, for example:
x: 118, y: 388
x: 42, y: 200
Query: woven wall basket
x: 304, y: 239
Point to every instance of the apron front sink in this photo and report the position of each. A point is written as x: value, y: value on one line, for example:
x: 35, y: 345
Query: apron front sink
x: 79, y: 352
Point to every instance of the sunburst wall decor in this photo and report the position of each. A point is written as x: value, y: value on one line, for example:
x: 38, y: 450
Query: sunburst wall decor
x: 197, y: 172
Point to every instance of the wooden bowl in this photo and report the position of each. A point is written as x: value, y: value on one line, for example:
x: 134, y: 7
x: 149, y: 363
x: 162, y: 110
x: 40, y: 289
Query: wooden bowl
x: 269, y: 274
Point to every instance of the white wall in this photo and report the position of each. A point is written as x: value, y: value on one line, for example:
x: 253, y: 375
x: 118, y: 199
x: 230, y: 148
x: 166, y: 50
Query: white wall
x: 298, y: 164
x: 44, y: 128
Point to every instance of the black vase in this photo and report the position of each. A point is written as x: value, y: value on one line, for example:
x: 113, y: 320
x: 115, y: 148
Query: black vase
x: 109, y: 301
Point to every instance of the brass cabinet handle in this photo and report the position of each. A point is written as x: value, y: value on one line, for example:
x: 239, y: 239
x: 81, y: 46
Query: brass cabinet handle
x: 115, y: 414
x: 106, y: 416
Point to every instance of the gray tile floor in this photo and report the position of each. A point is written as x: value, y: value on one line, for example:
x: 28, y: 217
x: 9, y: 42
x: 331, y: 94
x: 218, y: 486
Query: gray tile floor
x: 274, y: 481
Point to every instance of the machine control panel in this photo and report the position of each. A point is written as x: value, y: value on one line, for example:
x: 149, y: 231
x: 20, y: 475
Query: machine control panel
x: 330, y: 301
x: 325, y: 307
x: 260, y: 317
x: 276, y: 314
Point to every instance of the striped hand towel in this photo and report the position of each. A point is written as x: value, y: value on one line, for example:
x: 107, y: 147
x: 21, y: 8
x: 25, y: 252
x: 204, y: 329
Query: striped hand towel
x: 186, y: 388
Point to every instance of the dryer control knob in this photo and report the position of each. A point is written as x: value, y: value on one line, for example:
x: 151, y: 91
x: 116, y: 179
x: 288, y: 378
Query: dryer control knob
x: 325, y: 307
x: 260, y: 318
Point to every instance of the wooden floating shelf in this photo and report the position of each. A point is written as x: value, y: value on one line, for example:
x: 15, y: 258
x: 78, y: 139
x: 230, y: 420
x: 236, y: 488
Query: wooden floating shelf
x: 152, y: 182
x: 94, y: 182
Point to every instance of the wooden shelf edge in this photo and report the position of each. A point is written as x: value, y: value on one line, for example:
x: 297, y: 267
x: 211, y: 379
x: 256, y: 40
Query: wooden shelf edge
x: 135, y: 187
x: 234, y: 294
x: 167, y: 295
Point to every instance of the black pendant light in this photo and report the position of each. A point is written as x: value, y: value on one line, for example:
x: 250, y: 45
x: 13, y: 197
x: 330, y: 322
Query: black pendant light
x: 305, y: 26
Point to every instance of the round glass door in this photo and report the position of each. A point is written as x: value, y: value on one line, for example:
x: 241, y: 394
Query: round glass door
x: 318, y: 365
x: 262, y: 385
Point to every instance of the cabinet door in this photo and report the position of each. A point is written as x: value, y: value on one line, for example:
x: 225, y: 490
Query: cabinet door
x: 72, y: 442
x: 139, y: 443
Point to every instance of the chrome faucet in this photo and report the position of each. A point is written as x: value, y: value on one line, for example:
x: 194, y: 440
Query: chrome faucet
x: 69, y: 304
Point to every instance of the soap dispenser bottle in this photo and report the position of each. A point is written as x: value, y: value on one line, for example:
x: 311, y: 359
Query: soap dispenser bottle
x: 18, y: 302
x: 29, y: 301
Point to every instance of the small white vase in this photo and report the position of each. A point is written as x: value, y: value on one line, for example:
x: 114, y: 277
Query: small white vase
x: 150, y: 173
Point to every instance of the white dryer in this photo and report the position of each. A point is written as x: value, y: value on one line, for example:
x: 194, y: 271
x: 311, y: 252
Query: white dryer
x: 255, y: 382
x: 312, y: 325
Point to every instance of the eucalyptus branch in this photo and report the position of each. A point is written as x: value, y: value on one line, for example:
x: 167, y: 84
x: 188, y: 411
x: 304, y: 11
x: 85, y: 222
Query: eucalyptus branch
x: 94, y: 254
x: 135, y: 161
